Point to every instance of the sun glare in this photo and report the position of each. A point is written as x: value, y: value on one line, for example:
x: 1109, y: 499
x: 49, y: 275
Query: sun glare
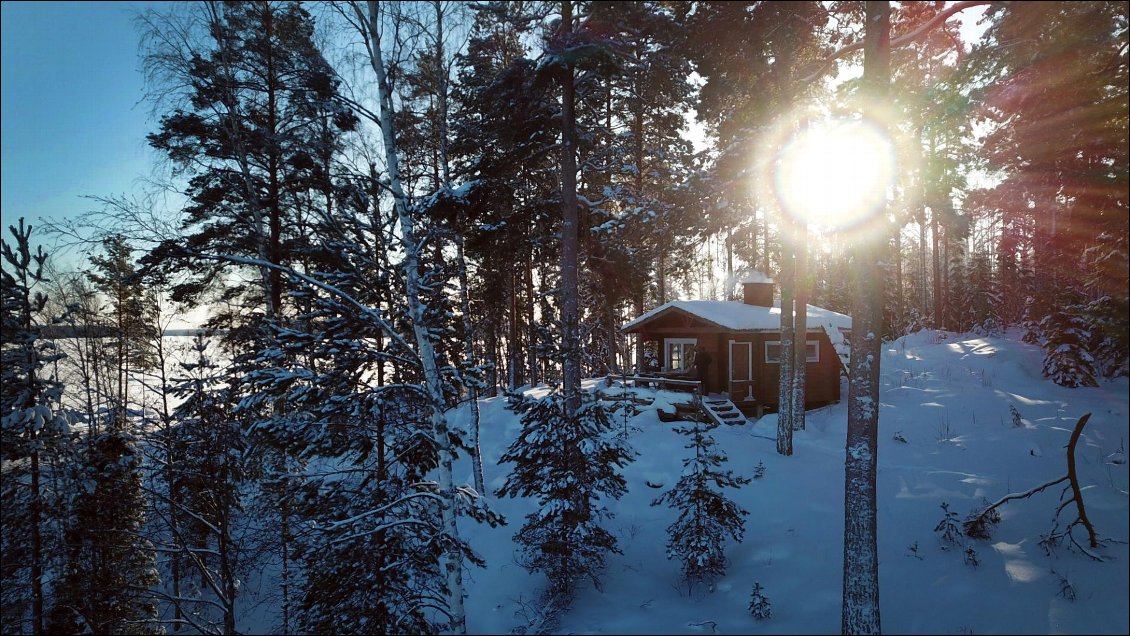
x: 835, y: 175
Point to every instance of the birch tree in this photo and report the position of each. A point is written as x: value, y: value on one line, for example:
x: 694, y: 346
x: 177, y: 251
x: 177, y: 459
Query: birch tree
x: 369, y: 24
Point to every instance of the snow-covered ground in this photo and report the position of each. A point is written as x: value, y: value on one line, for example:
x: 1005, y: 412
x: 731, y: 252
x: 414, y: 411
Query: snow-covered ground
x: 949, y: 399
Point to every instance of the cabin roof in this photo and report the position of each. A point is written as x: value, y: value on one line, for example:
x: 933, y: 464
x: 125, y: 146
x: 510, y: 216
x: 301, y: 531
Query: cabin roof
x: 733, y: 315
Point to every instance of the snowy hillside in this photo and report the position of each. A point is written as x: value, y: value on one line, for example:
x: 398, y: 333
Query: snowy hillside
x: 950, y: 400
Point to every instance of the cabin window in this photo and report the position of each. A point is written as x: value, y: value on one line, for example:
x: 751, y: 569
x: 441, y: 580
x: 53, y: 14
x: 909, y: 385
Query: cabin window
x: 677, y: 356
x: 773, y: 351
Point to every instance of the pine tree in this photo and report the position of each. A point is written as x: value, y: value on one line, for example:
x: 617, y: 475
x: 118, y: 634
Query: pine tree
x: 381, y: 506
x: 503, y: 137
x: 370, y: 489
x: 1065, y: 336
x: 569, y: 466
x: 633, y: 87
x: 110, y: 565
x: 860, y: 611
x: 250, y: 134
x: 706, y: 514
x: 1056, y: 140
x: 33, y: 431
x: 130, y: 308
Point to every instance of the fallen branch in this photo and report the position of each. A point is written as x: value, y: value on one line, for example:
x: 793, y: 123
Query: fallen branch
x: 1076, y: 493
x: 711, y: 624
x: 977, y: 525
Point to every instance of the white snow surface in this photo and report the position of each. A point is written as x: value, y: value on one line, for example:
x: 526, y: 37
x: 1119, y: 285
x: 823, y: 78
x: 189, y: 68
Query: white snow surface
x: 948, y: 396
x: 738, y: 316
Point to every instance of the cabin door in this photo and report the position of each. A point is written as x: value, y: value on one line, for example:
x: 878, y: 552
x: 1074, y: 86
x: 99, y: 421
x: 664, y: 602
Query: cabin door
x: 741, y: 370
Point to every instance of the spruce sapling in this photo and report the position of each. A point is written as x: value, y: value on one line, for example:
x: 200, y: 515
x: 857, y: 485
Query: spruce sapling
x: 759, y: 606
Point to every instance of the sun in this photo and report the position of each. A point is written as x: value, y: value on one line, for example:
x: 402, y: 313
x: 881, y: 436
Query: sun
x: 835, y: 174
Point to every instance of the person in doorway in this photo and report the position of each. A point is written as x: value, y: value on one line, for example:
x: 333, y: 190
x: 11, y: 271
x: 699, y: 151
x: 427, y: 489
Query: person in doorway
x: 702, y: 360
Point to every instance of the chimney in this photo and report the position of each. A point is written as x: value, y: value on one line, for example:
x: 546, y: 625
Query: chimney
x: 758, y: 290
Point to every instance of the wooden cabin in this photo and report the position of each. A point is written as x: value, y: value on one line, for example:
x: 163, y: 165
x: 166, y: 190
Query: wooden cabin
x: 743, y: 339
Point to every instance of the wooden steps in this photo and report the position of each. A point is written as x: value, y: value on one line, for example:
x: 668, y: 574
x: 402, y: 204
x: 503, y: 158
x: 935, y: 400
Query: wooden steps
x: 722, y: 410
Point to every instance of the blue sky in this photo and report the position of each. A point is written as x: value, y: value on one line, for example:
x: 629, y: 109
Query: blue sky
x: 73, y: 120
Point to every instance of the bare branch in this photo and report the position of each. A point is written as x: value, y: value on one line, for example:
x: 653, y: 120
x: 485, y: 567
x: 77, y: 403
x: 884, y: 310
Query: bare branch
x: 899, y: 42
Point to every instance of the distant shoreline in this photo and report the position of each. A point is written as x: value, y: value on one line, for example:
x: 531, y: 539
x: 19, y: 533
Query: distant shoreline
x: 56, y: 332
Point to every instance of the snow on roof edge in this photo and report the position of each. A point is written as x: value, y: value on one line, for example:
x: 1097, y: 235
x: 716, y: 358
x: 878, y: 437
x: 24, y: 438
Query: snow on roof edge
x: 738, y: 316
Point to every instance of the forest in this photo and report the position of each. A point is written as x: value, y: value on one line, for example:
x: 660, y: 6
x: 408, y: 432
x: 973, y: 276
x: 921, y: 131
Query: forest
x: 368, y: 216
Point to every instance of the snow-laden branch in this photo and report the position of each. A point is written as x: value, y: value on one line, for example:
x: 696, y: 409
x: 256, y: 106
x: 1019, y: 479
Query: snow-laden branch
x: 900, y: 41
x: 186, y: 619
x: 410, y: 521
x: 183, y: 509
x: 1015, y: 495
x: 381, y: 509
x: 368, y: 311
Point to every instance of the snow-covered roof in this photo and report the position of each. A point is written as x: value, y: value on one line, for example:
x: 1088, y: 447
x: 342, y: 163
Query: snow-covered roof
x: 756, y: 277
x: 737, y: 316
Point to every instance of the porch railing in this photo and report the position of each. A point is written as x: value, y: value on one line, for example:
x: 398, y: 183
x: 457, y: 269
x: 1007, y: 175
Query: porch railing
x: 658, y: 382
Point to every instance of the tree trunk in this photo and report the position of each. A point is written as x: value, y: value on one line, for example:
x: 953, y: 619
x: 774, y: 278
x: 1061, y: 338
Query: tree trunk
x: 731, y: 284
x: 36, y: 545
x: 899, y: 321
x: 460, y: 259
x: 764, y: 246
x: 785, y: 359
x: 947, y: 309
x: 611, y: 333
x: 169, y: 471
x: 922, y: 294
x: 532, y: 374
x: 569, y: 227
x: 469, y: 361
x: 800, y: 348
x: 512, y: 378
x: 227, y: 575
x: 790, y: 229
x: 860, y: 612
x: 939, y: 317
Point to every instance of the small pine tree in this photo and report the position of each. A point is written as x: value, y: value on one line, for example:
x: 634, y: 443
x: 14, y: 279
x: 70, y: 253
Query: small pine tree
x: 1017, y: 420
x: 949, y: 528
x: 1065, y: 335
x: 759, y: 470
x: 759, y: 603
x: 706, y: 515
x: 569, y: 466
x: 971, y: 558
x: 1110, y: 341
x: 379, y: 507
x: 130, y: 309
x: 1066, y: 588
